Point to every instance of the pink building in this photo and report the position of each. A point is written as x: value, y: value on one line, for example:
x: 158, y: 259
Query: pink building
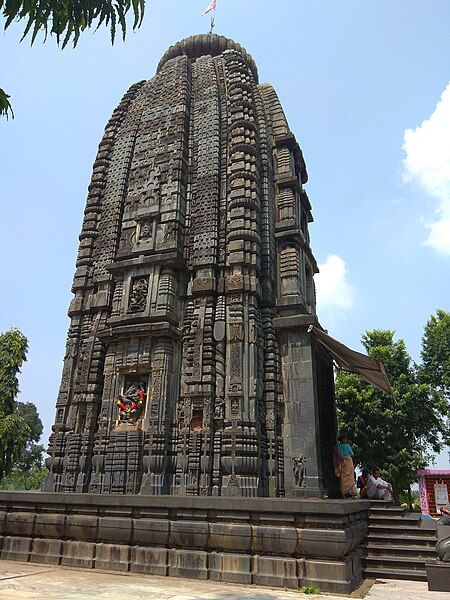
x: 434, y: 490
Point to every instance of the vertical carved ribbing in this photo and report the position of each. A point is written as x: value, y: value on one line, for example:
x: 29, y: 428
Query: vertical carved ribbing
x: 194, y: 240
x: 81, y: 383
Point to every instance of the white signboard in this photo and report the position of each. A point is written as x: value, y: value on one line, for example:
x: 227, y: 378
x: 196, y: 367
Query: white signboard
x: 441, y: 494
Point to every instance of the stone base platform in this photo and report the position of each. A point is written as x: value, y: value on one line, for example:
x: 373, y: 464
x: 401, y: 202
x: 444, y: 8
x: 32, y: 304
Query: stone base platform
x: 276, y: 542
x: 438, y: 576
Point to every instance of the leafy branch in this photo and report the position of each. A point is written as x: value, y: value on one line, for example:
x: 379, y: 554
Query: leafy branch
x: 66, y: 20
x: 5, y: 105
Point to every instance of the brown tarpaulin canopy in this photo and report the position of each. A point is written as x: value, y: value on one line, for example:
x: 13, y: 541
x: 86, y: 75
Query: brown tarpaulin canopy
x: 368, y: 368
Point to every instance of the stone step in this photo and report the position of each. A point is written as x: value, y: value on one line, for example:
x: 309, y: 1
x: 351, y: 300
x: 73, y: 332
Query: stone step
x: 407, y: 518
x: 392, y: 510
x: 401, y: 562
x: 378, y: 549
x: 381, y: 504
x: 373, y: 572
x: 401, y: 529
x: 402, y: 540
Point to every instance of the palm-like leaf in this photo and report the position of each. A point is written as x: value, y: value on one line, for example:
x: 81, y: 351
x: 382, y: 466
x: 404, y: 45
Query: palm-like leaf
x: 66, y: 20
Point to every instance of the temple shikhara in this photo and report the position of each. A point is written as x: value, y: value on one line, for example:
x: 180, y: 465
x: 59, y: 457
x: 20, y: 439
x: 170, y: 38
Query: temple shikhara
x: 188, y: 367
x: 195, y: 422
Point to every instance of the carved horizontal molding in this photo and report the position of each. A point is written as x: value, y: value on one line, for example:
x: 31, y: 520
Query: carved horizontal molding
x: 137, y: 330
x: 172, y: 259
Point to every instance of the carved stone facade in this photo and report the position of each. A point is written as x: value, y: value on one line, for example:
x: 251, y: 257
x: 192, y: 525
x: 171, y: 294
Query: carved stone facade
x: 189, y: 369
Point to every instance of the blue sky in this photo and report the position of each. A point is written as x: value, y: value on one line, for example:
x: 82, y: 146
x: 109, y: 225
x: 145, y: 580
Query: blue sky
x: 353, y: 77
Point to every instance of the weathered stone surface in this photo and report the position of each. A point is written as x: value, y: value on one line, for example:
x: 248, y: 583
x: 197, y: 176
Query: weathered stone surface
x: 179, y: 377
x: 195, y: 419
x: 112, y: 557
x: 46, y: 551
x: 438, y: 576
x: 234, y: 568
x: 275, y: 571
x: 16, y: 548
x: 151, y: 561
x: 268, y: 541
x: 78, y: 554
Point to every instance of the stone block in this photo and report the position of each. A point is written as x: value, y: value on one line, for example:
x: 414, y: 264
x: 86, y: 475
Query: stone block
x: 188, y: 563
x: 151, y: 532
x: 151, y: 561
x: 189, y: 534
x: 78, y: 554
x: 230, y: 536
x: 46, y: 551
x: 16, y: 548
x: 50, y: 525
x: 115, y: 529
x: 275, y: 571
x: 337, y: 576
x: 234, y: 568
x: 273, y: 539
x: 81, y: 527
x: 2, y: 522
x: 328, y: 543
x: 112, y: 557
x: 438, y: 576
x: 19, y: 523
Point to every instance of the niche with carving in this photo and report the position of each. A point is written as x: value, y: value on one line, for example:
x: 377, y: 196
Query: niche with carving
x: 290, y: 270
x: 131, y: 402
x: 138, y: 294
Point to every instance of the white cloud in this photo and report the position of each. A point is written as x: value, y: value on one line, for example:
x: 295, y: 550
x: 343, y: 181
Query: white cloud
x: 333, y: 289
x: 427, y: 162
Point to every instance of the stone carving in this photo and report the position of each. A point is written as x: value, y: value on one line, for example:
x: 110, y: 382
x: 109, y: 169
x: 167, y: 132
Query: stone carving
x: 299, y: 470
x: 146, y: 231
x: 138, y: 294
x: 194, y: 249
x: 131, y: 403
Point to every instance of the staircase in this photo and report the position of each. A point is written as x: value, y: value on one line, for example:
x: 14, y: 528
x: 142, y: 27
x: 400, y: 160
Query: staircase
x: 398, y: 543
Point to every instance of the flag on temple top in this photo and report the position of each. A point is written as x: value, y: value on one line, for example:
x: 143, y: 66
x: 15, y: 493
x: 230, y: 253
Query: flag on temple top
x: 211, y: 6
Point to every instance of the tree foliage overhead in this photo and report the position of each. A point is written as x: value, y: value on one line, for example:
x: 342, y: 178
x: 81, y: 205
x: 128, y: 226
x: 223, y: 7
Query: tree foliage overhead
x: 28, y: 471
x: 436, y: 351
x: 397, y: 433
x: 66, y: 20
x: 14, y: 429
x: 5, y: 104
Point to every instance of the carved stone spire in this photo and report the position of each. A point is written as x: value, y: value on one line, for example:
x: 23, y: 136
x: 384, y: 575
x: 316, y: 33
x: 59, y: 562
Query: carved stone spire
x: 189, y: 369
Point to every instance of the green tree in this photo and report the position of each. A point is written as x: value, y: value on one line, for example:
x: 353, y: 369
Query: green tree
x: 66, y: 20
x: 28, y: 471
x: 436, y: 351
x: 398, y: 433
x: 14, y: 430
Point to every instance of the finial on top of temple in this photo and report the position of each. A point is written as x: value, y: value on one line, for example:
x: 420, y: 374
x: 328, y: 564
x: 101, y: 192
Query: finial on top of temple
x: 206, y: 44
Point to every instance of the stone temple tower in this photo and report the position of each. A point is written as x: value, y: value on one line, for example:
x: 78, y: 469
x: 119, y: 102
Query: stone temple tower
x: 189, y: 368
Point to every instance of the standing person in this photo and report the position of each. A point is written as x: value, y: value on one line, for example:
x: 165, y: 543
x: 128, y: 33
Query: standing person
x: 344, y: 467
x: 378, y: 488
x: 362, y: 483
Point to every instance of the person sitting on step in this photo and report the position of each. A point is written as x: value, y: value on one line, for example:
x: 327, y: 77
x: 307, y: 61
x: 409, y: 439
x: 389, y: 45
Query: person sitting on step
x: 378, y: 488
x: 362, y: 483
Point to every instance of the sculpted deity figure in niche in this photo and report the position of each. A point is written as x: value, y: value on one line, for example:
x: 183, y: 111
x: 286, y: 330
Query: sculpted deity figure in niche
x: 132, y: 401
x: 299, y: 470
x: 146, y: 231
x: 138, y: 296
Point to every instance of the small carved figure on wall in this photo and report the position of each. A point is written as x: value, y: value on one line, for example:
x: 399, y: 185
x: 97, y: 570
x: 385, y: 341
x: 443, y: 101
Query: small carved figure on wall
x: 146, y: 231
x: 218, y: 408
x: 138, y: 295
x: 299, y: 470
